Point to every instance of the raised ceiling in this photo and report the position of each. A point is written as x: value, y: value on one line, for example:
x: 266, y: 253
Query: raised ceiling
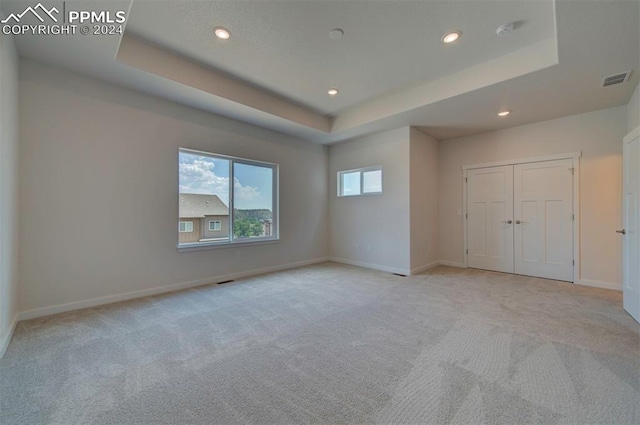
x: 390, y: 66
x: 284, y: 46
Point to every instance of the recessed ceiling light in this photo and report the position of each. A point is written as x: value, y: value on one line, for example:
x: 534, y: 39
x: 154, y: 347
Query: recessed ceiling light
x: 503, y: 113
x: 222, y: 33
x: 450, y: 37
x: 332, y: 92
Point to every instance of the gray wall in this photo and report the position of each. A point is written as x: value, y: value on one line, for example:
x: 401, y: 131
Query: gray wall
x: 95, y: 153
x: 373, y: 230
x: 633, y: 110
x: 423, y: 200
x: 8, y: 187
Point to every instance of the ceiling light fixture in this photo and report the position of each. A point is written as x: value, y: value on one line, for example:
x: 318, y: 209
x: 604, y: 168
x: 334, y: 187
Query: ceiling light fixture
x: 503, y: 113
x: 222, y: 33
x: 450, y: 37
x: 332, y: 92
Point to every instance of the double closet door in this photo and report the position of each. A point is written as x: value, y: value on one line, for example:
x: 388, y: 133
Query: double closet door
x: 520, y: 219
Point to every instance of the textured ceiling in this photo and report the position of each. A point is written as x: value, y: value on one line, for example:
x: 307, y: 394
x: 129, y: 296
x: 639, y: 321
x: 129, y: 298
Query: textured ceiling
x: 284, y: 46
x: 390, y: 66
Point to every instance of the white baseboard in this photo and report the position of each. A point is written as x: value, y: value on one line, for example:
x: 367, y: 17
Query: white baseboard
x: 93, y: 302
x: 596, y: 284
x: 425, y: 267
x: 380, y: 267
x: 452, y: 264
x: 6, y: 338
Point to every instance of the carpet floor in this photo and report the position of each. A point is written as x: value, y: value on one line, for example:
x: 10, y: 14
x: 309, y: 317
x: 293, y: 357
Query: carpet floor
x: 333, y: 344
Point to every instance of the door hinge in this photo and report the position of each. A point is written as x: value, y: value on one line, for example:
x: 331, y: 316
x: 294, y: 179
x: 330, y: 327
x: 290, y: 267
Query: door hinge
x: 573, y: 217
x: 467, y: 251
x: 573, y: 171
x: 573, y: 262
x: 466, y: 179
x: 466, y: 215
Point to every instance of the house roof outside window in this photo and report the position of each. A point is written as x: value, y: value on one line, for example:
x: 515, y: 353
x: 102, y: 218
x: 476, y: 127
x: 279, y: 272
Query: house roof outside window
x: 194, y: 205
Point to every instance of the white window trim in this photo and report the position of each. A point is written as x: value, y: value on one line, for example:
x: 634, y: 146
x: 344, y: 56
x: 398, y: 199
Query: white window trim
x: 361, y: 171
x: 215, y: 222
x: 232, y: 241
x: 188, y: 224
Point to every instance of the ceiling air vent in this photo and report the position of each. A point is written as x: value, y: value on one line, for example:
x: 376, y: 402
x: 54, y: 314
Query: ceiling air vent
x: 616, y: 79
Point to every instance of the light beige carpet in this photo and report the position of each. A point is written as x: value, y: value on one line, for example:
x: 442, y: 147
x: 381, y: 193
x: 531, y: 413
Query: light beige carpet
x: 332, y: 344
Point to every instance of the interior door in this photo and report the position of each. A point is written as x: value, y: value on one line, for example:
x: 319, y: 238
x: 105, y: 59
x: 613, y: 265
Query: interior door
x: 489, y: 218
x: 543, y: 219
x: 631, y: 236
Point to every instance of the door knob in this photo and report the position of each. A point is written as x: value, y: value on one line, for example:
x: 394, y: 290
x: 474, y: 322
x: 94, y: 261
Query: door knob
x: 517, y: 221
x: 509, y: 221
x: 623, y: 232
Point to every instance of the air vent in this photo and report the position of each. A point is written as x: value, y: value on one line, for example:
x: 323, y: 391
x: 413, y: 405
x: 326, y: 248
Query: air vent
x: 616, y: 79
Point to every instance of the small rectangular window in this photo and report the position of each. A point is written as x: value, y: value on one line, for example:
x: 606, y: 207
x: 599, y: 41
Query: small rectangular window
x: 215, y: 226
x: 364, y: 181
x: 186, y: 226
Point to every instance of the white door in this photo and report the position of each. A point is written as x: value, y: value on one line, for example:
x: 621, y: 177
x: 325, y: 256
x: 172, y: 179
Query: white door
x: 543, y: 216
x: 631, y: 235
x: 489, y: 218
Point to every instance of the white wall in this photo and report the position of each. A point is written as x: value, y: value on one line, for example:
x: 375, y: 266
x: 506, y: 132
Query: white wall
x: 98, y: 185
x: 373, y: 230
x: 8, y: 188
x: 633, y: 110
x: 598, y: 135
x: 423, y: 200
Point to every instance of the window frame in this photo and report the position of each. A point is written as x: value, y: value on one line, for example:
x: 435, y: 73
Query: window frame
x: 214, y: 222
x: 361, y: 171
x: 233, y: 241
x: 180, y: 223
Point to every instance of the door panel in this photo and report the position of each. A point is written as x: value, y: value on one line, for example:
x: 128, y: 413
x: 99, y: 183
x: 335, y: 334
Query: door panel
x: 543, y: 206
x: 489, y: 207
x: 631, y: 238
x: 530, y: 242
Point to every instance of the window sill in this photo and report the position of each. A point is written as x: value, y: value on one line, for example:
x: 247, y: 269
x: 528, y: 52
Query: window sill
x: 205, y: 246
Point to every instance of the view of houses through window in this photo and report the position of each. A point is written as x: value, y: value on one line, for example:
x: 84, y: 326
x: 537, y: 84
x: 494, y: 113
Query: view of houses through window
x: 214, y: 211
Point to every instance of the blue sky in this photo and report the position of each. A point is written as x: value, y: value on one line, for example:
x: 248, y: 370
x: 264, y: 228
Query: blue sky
x: 210, y: 176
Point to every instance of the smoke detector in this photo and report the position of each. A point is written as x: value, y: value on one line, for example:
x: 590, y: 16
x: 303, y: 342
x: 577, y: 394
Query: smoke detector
x: 612, y: 80
x: 505, y: 29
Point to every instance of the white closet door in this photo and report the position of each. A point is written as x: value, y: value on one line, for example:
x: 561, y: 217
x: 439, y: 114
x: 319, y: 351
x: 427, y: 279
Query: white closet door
x: 543, y: 215
x: 489, y: 210
x: 631, y: 231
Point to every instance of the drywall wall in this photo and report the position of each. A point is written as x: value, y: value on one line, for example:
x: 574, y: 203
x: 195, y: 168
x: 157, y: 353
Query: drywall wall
x: 98, y: 192
x: 633, y: 110
x: 598, y: 135
x: 423, y: 153
x: 372, y: 230
x: 8, y: 188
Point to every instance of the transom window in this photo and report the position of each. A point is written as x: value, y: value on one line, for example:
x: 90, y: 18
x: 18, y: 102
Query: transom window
x: 245, y: 211
x: 363, y: 181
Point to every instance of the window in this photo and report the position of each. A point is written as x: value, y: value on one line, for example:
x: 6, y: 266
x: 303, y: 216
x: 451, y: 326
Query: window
x: 186, y: 227
x: 232, y: 195
x: 364, y: 181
